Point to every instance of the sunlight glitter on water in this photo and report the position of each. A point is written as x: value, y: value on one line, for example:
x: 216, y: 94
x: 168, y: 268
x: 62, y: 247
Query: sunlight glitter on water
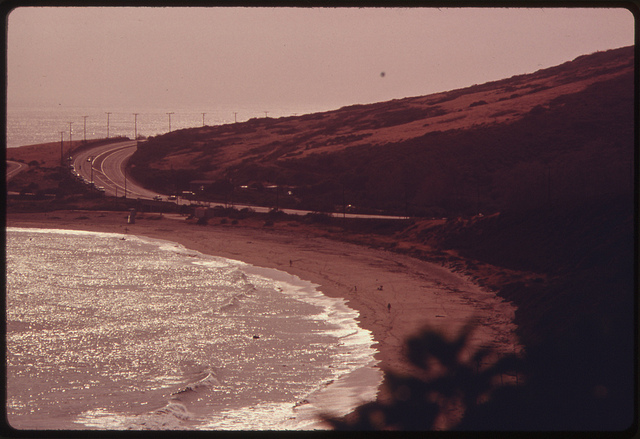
x: 100, y: 325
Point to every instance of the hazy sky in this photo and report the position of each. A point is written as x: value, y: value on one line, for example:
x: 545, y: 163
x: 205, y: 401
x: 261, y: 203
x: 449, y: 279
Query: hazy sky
x: 286, y: 57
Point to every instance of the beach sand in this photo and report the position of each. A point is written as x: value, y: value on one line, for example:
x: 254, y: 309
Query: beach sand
x: 395, y: 295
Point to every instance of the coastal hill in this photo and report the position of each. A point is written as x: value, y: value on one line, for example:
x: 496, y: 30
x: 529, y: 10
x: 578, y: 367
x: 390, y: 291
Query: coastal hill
x: 556, y: 135
x: 525, y: 184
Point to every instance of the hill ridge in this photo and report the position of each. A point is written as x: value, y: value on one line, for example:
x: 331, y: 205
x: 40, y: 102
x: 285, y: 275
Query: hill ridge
x: 265, y: 151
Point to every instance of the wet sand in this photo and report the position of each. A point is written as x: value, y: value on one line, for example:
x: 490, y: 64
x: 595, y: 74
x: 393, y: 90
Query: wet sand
x: 395, y: 295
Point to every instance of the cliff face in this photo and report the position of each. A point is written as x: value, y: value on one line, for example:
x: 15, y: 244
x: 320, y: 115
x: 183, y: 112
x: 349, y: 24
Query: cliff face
x: 553, y: 135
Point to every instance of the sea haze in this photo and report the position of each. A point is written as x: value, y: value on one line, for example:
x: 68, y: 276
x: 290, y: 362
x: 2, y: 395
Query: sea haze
x: 115, y: 331
x: 34, y: 125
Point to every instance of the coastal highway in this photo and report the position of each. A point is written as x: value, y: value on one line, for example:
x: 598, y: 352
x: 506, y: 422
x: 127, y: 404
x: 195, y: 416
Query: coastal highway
x: 13, y: 168
x: 106, y: 165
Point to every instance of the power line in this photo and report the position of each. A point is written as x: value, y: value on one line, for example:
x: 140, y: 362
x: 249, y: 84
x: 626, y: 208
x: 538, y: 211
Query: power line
x: 135, y: 126
x: 108, y: 113
x: 61, y: 148
x: 70, y: 143
x: 85, y: 128
x: 169, y: 114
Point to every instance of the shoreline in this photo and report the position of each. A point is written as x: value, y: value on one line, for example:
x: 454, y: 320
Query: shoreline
x: 395, y: 295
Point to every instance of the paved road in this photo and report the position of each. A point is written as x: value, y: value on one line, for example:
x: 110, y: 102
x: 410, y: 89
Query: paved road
x: 105, y: 165
x: 13, y: 168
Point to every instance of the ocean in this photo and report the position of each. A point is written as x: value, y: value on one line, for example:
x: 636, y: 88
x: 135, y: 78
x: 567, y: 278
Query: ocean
x: 120, y: 332
x: 33, y: 125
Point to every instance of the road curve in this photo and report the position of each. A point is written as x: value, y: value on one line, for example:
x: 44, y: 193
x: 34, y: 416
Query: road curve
x: 105, y: 166
x: 13, y: 169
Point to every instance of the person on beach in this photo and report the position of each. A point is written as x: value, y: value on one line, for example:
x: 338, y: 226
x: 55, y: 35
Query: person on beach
x: 388, y: 307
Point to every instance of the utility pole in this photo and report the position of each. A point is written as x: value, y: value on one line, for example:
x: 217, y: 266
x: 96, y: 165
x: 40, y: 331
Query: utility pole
x: 70, y: 144
x: 85, y: 128
x: 108, y: 113
x: 169, y: 114
x: 61, y: 147
x: 266, y: 113
x: 135, y: 127
x: 235, y: 119
x: 203, y: 118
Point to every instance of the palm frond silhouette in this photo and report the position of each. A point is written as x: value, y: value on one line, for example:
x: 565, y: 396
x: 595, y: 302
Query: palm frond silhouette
x: 450, y: 377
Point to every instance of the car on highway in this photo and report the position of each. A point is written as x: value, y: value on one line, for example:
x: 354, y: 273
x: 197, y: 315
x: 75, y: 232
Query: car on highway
x: 157, y: 198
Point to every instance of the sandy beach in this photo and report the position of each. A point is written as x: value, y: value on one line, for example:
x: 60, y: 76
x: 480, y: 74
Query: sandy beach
x: 395, y: 295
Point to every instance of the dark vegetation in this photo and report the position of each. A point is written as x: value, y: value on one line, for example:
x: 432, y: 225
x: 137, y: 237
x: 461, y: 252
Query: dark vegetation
x: 577, y: 147
x: 550, y: 389
x: 549, y: 194
x: 576, y: 317
x: 39, y: 183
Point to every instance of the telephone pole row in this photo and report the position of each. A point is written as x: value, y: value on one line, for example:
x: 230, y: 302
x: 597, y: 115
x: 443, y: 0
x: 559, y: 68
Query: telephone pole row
x: 108, y: 114
x: 135, y: 127
x: 169, y: 114
x: 85, y: 128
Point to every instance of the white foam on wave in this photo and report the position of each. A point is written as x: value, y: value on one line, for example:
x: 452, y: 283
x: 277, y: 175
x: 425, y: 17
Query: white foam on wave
x: 356, y: 375
x: 265, y: 416
x: 355, y: 359
x: 355, y: 352
x: 212, y: 264
x: 66, y: 232
x: 333, y: 310
x: 171, y: 417
x: 201, y: 259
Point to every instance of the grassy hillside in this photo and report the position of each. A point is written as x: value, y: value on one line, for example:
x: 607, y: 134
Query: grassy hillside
x: 547, y: 158
x: 555, y: 136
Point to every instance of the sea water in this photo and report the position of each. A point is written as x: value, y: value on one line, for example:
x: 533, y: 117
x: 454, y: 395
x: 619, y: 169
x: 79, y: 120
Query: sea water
x: 111, y: 331
x: 33, y: 125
